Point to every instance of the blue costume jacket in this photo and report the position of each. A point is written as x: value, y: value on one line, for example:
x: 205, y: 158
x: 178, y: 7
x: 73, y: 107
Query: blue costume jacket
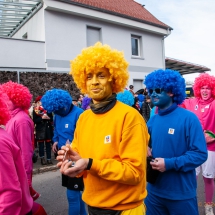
x: 64, y: 126
x: 177, y: 136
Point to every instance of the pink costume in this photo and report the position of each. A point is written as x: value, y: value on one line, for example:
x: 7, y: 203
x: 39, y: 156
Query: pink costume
x: 16, y: 153
x: 19, y: 127
x: 205, y: 111
x: 15, y: 197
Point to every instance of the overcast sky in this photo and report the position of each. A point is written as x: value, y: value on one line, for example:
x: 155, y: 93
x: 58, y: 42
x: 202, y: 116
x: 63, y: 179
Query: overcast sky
x: 193, y: 36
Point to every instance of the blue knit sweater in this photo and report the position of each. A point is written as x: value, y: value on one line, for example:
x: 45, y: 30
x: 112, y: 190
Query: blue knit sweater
x: 177, y: 136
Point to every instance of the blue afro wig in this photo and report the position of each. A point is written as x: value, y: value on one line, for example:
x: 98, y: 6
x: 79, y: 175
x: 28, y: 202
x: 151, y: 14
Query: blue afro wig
x: 125, y: 97
x: 56, y: 99
x: 170, y: 81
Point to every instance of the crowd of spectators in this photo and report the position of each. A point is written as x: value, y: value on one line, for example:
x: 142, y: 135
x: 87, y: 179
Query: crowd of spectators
x: 126, y: 133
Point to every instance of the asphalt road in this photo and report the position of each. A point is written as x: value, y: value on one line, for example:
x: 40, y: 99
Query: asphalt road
x: 53, y: 195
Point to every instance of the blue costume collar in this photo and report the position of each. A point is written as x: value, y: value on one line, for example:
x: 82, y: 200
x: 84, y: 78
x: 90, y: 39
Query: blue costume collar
x: 168, y: 110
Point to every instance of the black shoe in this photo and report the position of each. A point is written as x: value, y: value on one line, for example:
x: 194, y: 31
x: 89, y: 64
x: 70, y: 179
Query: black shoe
x: 43, y: 161
x: 49, y: 162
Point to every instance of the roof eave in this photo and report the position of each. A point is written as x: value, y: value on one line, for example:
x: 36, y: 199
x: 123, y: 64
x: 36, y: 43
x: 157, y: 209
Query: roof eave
x: 117, y: 14
x: 184, y: 67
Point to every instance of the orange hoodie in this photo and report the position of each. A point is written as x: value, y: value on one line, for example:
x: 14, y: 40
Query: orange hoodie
x: 117, y: 142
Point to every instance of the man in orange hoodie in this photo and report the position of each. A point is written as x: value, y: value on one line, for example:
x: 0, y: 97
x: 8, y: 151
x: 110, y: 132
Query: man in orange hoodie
x: 111, y: 138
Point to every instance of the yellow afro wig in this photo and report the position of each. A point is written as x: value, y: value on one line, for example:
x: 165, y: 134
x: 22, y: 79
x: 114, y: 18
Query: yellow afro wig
x: 97, y: 57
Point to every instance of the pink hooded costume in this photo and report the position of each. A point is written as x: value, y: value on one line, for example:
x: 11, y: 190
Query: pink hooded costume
x: 15, y: 196
x: 20, y: 125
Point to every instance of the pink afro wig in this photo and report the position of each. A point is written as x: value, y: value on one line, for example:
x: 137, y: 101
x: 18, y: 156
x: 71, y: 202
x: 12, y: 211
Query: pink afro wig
x: 4, y: 112
x: 18, y: 94
x: 204, y: 80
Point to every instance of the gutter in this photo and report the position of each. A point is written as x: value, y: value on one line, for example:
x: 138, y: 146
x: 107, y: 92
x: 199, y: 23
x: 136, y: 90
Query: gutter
x: 163, y: 54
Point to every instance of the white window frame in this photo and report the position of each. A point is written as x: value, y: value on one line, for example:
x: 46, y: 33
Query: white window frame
x: 139, y: 45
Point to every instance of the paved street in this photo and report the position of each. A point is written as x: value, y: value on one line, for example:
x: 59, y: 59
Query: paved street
x: 54, y: 195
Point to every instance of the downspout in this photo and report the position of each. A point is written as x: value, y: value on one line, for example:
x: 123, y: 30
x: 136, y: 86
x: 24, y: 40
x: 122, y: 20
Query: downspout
x: 18, y: 77
x: 168, y: 33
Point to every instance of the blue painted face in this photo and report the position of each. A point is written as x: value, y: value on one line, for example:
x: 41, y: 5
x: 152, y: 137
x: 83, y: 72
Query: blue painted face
x: 162, y: 100
x: 62, y: 111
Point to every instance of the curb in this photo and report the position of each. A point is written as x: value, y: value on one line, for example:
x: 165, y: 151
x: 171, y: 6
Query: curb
x: 45, y: 169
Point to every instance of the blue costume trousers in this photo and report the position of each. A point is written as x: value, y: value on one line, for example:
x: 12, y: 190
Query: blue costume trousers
x: 76, y: 204
x: 156, y: 205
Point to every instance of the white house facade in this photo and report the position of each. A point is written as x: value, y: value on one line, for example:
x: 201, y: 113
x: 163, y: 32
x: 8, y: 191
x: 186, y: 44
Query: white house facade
x: 58, y: 31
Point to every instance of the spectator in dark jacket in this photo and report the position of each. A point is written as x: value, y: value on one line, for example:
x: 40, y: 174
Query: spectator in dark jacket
x: 146, y: 108
x: 44, y: 130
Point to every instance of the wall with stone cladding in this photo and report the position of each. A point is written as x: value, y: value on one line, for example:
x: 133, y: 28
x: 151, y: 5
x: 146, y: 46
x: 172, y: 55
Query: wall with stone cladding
x: 7, y: 76
x: 39, y: 82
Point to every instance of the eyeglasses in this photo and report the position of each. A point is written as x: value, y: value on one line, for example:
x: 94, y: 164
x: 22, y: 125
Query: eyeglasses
x: 157, y: 90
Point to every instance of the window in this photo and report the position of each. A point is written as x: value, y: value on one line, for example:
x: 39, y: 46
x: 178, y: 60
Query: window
x: 135, y: 45
x: 138, y: 84
x: 93, y: 35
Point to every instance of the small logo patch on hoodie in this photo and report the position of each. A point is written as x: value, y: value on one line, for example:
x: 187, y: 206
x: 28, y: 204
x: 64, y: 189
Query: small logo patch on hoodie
x: 171, y: 131
x: 107, y: 139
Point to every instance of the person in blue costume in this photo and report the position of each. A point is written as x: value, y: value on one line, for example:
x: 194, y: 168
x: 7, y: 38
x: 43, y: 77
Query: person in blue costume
x: 177, y: 144
x: 65, y: 118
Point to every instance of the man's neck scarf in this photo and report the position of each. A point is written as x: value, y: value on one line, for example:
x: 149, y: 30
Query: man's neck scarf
x: 104, y: 105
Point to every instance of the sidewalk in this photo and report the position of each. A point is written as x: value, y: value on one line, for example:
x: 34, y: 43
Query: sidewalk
x: 39, y: 168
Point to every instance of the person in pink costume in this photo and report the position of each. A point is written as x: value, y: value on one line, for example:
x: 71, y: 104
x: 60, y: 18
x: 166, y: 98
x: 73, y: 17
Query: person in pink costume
x: 203, y: 105
x: 20, y: 125
x: 15, y: 197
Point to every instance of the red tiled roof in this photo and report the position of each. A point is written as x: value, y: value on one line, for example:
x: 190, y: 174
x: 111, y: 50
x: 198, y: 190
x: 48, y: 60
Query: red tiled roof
x: 127, y: 8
